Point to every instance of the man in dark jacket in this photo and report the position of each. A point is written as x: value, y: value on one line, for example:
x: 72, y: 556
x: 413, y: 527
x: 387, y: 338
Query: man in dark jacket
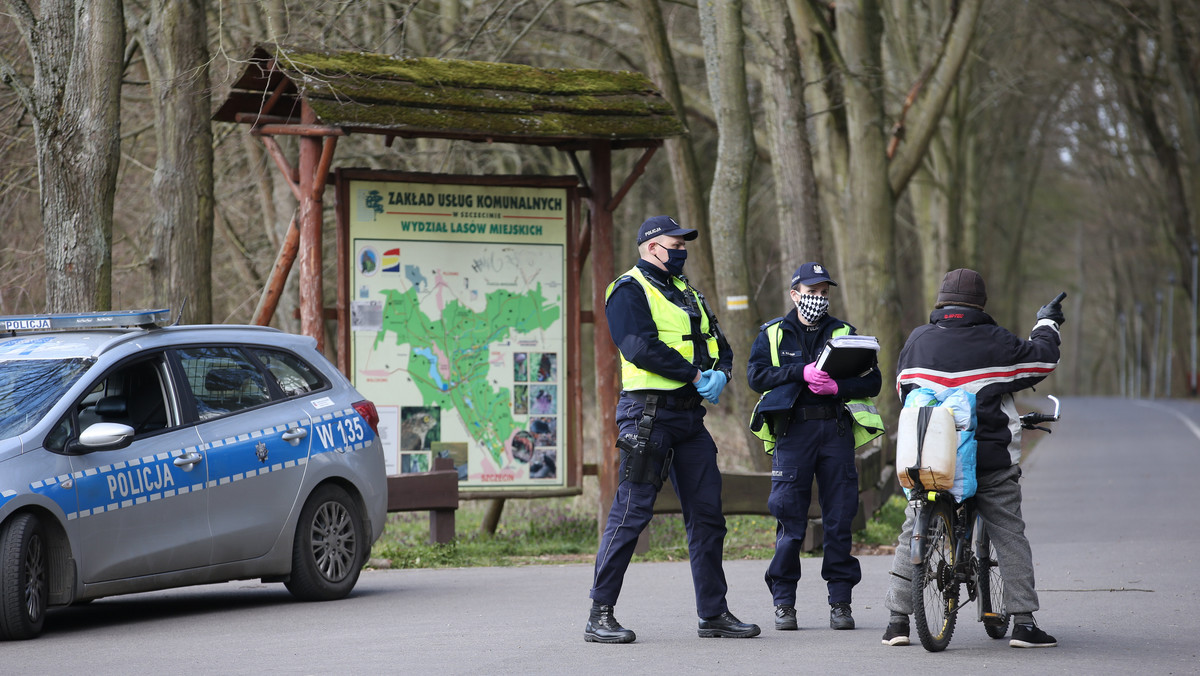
x: 962, y: 346
x: 814, y: 437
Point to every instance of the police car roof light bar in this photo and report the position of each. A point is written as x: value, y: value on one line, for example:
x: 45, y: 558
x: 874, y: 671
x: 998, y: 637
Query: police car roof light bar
x: 146, y: 319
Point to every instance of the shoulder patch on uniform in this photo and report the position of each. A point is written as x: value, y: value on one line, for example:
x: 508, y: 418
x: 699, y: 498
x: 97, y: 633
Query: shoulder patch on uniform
x: 773, y: 321
x: 623, y: 279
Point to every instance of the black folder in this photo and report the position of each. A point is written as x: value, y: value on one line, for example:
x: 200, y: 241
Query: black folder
x: 848, y: 356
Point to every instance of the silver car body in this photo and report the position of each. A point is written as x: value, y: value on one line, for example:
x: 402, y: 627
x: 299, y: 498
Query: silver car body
x: 207, y: 497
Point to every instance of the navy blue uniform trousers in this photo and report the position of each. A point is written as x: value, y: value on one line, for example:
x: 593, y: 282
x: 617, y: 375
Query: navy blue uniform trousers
x: 697, y: 482
x: 824, y: 449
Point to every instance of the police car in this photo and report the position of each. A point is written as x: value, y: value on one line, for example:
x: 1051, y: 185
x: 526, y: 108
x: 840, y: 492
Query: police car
x: 138, y: 456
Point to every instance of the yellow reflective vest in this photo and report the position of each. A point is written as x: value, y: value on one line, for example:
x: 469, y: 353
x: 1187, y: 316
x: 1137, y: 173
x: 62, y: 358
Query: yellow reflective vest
x: 868, y: 424
x: 673, y: 324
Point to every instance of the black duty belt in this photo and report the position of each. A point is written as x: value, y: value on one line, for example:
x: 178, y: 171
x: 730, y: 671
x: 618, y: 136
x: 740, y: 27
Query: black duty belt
x: 818, y: 412
x: 667, y: 401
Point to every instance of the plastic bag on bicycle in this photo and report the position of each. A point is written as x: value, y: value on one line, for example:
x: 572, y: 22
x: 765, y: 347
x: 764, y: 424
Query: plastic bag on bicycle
x: 943, y: 452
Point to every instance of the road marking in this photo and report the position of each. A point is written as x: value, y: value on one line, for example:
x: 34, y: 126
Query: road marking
x: 1186, y: 420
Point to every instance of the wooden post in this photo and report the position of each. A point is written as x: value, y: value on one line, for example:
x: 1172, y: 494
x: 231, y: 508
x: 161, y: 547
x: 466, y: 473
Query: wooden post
x: 606, y: 363
x: 312, y: 306
x: 574, y: 333
x: 441, y: 519
x: 491, y: 518
x: 279, y: 273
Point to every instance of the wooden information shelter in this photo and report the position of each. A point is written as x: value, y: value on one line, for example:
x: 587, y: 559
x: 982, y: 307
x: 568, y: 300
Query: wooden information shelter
x: 319, y: 97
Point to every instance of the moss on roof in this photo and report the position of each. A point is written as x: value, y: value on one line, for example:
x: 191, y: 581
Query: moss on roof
x: 426, y: 96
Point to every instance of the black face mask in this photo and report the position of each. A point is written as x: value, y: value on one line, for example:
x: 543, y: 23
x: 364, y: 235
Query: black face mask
x: 675, y: 260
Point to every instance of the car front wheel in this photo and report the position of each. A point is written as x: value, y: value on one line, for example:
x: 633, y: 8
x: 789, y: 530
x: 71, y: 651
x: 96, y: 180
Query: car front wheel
x: 23, y: 578
x: 327, y: 555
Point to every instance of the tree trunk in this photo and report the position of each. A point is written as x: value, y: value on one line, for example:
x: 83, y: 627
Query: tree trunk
x: 1179, y: 61
x: 823, y: 101
x: 76, y: 48
x: 797, y: 214
x: 174, y: 41
x: 721, y: 32
x: 681, y: 154
x: 866, y: 247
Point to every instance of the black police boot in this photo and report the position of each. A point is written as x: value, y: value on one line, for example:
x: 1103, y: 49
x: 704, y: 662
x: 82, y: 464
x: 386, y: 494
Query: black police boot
x: 785, y: 618
x: 840, y: 617
x: 602, y: 627
x: 726, y: 625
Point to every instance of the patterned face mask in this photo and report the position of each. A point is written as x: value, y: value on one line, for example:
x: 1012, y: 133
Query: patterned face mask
x: 812, y: 307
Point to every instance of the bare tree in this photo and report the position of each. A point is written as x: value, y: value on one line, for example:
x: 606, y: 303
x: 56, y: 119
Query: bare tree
x: 76, y: 48
x: 173, y: 35
x: 797, y: 212
x: 681, y: 153
x: 865, y: 174
x: 723, y: 37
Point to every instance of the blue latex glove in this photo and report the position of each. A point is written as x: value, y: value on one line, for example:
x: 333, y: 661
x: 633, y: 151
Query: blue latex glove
x: 710, y: 385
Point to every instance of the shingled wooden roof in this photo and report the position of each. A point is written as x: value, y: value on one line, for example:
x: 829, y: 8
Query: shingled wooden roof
x: 450, y: 98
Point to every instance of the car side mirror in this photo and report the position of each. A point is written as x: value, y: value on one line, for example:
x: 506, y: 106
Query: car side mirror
x: 102, y: 436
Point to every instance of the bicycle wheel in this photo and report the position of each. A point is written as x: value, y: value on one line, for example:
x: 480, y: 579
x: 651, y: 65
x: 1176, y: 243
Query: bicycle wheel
x: 935, y: 588
x: 991, y: 584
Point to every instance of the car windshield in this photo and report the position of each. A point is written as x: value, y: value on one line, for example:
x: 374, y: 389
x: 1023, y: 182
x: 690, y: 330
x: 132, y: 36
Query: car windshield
x: 29, y: 387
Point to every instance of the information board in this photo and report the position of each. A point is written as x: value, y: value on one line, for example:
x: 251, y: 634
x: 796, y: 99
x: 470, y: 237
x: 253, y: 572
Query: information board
x: 457, y: 320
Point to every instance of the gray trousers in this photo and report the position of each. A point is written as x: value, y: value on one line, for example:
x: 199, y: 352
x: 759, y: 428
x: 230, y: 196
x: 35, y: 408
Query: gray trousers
x: 998, y: 500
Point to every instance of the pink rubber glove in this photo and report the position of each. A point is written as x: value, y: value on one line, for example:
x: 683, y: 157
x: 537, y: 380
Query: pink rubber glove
x: 819, y: 381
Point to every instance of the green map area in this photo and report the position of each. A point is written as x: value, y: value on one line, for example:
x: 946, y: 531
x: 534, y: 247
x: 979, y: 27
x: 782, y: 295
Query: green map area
x: 449, y: 357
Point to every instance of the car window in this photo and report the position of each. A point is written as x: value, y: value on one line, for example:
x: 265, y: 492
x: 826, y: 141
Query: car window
x: 30, y: 387
x: 136, y: 393
x: 295, y: 377
x: 222, y: 380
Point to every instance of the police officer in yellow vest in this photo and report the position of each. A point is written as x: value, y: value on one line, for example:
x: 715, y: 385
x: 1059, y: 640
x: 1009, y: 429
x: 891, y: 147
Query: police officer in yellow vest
x: 814, y: 436
x: 673, y: 357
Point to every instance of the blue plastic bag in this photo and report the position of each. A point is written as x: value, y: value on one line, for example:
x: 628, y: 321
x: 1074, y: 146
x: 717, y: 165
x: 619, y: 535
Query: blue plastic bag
x: 962, y: 404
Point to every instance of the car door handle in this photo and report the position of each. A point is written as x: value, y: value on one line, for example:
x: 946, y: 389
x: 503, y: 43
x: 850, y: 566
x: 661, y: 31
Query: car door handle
x: 293, y: 436
x: 188, y: 460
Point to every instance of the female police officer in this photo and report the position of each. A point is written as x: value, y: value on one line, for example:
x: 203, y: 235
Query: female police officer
x: 815, y: 435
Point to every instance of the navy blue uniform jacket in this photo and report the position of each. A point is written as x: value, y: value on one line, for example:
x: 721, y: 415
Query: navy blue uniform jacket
x: 798, y: 347
x: 635, y: 334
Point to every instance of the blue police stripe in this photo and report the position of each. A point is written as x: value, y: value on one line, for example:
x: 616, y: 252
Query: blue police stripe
x: 158, y: 470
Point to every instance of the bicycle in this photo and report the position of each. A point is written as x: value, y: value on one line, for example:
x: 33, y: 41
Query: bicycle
x: 951, y: 548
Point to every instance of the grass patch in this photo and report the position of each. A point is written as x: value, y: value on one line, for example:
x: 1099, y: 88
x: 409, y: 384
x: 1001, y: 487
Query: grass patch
x: 556, y: 530
x: 884, y: 529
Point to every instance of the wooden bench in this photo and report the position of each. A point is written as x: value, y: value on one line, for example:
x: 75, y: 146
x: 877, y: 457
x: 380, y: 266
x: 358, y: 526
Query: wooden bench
x: 747, y: 492
x: 435, y: 491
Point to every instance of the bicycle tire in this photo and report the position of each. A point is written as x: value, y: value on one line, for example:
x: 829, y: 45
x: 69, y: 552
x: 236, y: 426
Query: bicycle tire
x: 991, y: 585
x: 935, y: 587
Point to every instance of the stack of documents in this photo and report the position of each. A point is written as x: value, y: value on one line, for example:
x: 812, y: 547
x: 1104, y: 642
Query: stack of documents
x: 848, y: 356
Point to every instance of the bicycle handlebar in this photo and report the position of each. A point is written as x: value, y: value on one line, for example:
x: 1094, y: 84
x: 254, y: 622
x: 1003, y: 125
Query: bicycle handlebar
x: 1033, y: 419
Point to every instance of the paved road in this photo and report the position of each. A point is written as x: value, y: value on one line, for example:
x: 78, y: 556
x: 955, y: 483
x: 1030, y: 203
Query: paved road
x: 1116, y: 546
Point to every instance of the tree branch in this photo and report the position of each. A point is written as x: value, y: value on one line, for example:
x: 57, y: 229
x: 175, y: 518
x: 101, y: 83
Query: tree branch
x: 26, y: 22
x: 23, y: 16
x: 815, y: 12
x: 9, y: 76
x: 927, y: 109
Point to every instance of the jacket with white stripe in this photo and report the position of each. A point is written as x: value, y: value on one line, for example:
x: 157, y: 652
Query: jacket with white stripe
x: 964, y: 347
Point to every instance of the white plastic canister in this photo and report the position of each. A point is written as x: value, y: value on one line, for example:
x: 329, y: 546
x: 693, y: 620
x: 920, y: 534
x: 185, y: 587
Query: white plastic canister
x: 937, y: 455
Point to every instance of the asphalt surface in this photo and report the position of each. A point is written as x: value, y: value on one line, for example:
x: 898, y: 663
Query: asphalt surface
x: 1116, y: 542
